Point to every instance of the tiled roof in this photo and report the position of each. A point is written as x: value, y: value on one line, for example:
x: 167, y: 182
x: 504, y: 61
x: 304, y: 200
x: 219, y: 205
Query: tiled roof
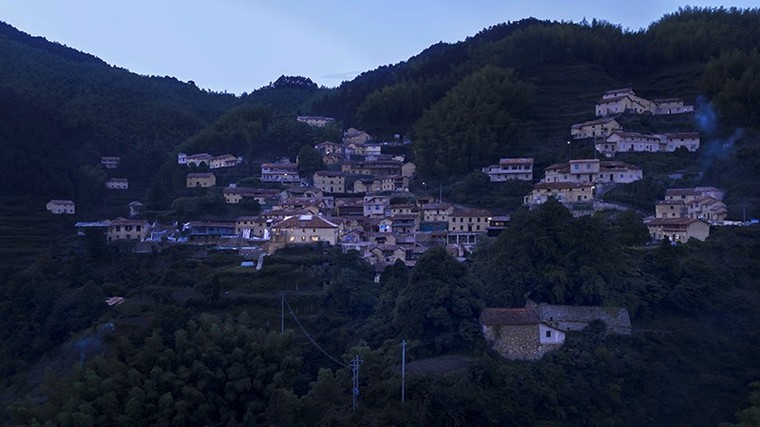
x: 672, y: 221
x: 305, y: 221
x: 508, y: 316
x: 593, y: 122
x: 561, y: 185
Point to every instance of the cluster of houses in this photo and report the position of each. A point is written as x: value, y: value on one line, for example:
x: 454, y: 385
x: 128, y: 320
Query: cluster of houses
x: 206, y: 159
x: 610, y: 138
x: 625, y: 101
x: 384, y: 227
x: 687, y: 213
x: 575, y: 181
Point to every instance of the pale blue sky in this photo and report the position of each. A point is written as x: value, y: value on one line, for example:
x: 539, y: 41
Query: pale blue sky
x: 240, y: 45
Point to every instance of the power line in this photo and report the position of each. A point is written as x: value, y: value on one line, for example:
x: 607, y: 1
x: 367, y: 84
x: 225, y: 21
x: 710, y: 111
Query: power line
x: 309, y: 336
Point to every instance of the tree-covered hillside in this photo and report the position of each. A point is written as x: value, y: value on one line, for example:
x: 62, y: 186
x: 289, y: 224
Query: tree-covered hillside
x: 197, y: 339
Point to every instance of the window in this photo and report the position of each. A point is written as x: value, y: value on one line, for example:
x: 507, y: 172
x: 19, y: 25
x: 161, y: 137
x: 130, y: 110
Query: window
x: 548, y: 334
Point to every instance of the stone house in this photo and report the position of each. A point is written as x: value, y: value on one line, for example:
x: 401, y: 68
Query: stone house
x: 518, y: 333
x: 59, y: 207
x: 200, y: 180
x: 529, y: 333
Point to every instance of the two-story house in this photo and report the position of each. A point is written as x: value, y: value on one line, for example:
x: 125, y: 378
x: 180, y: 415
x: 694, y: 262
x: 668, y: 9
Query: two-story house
x: 330, y: 181
x: 200, y: 180
x: 510, y: 169
x: 285, y: 172
x: 127, y: 229
x: 375, y: 205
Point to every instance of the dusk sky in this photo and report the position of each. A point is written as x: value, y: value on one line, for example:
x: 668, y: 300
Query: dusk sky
x: 240, y: 45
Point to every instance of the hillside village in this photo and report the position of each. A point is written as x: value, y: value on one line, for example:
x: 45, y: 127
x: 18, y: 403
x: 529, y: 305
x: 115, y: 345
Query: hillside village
x: 301, y: 255
x: 363, y: 200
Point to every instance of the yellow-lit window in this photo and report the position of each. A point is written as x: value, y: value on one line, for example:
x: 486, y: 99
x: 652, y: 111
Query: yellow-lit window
x: 314, y: 238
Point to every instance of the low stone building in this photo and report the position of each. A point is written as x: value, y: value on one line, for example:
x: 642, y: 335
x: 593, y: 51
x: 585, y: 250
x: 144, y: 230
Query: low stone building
x: 530, y: 332
x: 518, y: 333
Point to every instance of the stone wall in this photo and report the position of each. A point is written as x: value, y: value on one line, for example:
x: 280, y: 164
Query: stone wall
x: 519, y: 342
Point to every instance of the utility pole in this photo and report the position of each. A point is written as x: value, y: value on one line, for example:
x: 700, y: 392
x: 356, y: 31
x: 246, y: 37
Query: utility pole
x: 403, y: 370
x: 282, y: 313
x: 355, y: 362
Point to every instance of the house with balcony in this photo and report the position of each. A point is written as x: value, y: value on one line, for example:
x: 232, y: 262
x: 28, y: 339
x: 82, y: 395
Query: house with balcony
x: 285, y: 172
x: 508, y: 169
x: 209, y: 231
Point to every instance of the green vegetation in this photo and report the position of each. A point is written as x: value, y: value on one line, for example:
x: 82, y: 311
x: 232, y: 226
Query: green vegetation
x: 196, y: 331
